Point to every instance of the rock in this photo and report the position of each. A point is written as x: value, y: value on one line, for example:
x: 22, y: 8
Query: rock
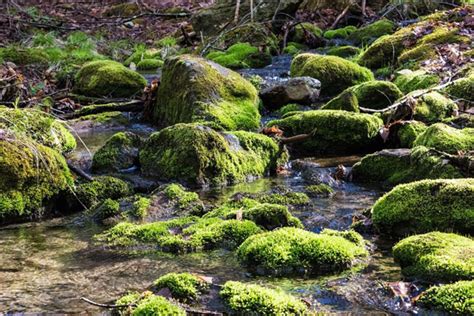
x: 203, y: 156
x: 436, y: 257
x: 244, y: 299
x: 308, y: 34
x: 447, y: 139
x: 106, y: 78
x: 407, y: 132
x: 453, y: 298
x: 408, y: 80
x: 334, y: 132
x: 208, y: 93
x: 120, y: 152
x: 335, y: 73
x: 433, y: 107
x: 302, y: 90
x: 367, y: 34
x: 344, y: 51
x: 395, y: 166
x: 296, y: 251
x: 462, y: 88
x: 312, y: 172
x: 241, y: 55
x: 371, y: 94
x: 426, y: 205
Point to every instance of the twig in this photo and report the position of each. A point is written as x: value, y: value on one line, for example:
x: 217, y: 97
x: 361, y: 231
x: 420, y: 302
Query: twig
x: 105, y: 305
x: 79, y: 171
x: 340, y: 16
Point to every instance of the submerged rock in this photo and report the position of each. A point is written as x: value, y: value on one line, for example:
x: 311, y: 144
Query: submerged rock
x: 207, y: 93
x: 450, y: 298
x: 447, y: 139
x: 301, y: 90
x: 436, y: 257
x: 426, y: 205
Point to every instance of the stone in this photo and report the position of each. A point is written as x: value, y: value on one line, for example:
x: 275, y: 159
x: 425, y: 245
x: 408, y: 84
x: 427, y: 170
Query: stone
x: 302, y: 90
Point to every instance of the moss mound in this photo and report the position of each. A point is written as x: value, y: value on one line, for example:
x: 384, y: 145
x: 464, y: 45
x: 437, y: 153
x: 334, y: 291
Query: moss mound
x: 148, y: 304
x: 106, y: 78
x: 24, y: 56
x: 425, y: 206
x: 296, y: 251
x: 365, y: 35
x: 256, y: 300
x: 149, y: 64
x: 201, y: 155
x: 447, y: 139
x: 208, y: 93
x: 436, y: 257
x: 241, y: 55
x: 408, y: 80
x: 344, y: 51
x: 335, y: 73
x: 371, y: 94
x: 336, y: 131
x: 320, y: 190
x: 454, y: 298
x: 119, y: 152
x: 462, y: 88
x: 408, y: 132
x: 433, y: 107
x: 183, y: 286
x: 342, y: 33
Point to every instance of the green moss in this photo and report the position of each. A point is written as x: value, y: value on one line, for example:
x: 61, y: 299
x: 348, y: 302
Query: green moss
x: 411, y: 57
x: 184, y: 286
x: 462, y: 88
x: 436, y: 257
x: 256, y: 300
x: 288, y: 198
x: 241, y: 55
x: 408, y: 81
x: 119, y: 152
x: 408, y: 132
x: 426, y: 205
x: 208, y: 93
x: 183, y: 198
x: 335, y: 73
x: 24, y: 56
x: 39, y: 126
x: 299, y: 35
x: 147, y: 304
x: 454, y: 298
x: 201, y: 155
x: 290, y: 108
x: 149, y: 64
x: 340, y: 33
x: 256, y: 34
x: 107, y: 209
x: 461, y: 121
x: 140, y: 207
x: 106, y: 118
x: 141, y: 53
x: 295, y: 251
x: 108, y: 78
x: 336, y: 131
x: 320, y: 190
x: 294, y: 49
x: 448, y: 139
x: 231, y: 207
x: 367, y: 34
x: 433, y: 107
x: 350, y: 235
x: 344, y: 51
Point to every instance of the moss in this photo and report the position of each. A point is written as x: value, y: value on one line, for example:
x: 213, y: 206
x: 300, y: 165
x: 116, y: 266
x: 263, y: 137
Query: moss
x: 107, y: 209
x: 184, y: 286
x: 426, y: 205
x: 336, y: 131
x: 149, y: 64
x: 140, y: 207
x: 349, y: 235
x: 294, y: 49
x: 408, y: 132
x: 209, y: 93
x: 183, y: 198
x: 454, y: 298
x: 119, y: 152
x: 30, y: 175
x: 288, y: 198
x: 365, y: 35
x: 141, y: 53
x: 436, y: 257
x: 462, y: 88
x: 344, y: 51
x: 335, y: 73
x: 241, y: 55
x: 148, y: 304
x: 411, y: 57
x: 340, y: 33
x: 39, y: 126
x: 320, y: 190
x: 408, y: 81
x: 200, y: 155
x: 24, y: 56
x: 106, y: 118
x: 295, y: 251
x: 371, y: 94
x: 461, y: 121
x: 122, y: 10
x: 433, y: 107
x: 290, y: 108
x: 299, y: 34
x: 256, y: 300
x: 108, y: 78
x: 448, y: 139
x: 231, y: 207
x: 256, y: 34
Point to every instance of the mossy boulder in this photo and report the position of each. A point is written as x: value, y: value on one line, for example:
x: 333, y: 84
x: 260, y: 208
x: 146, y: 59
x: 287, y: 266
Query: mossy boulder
x: 367, y: 34
x: 433, y: 107
x: 118, y: 153
x: 208, y: 93
x: 462, y: 88
x: 149, y: 64
x: 426, y: 205
x: 344, y: 51
x: 183, y: 286
x: 106, y: 78
x: 253, y: 299
x: 296, y: 251
x: 335, y: 73
x: 201, y: 155
x: 456, y: 298
x: 340, y: 33
x: 24, y: 56
x: 320, y: 190
x: 447, y: 139
x: 31, y: 176
x: 241, y: 55
x: 404, y: 165
x: 174, y: 200
x: 436, y: 257
x: 333, y: 131
x: 408, y: 80
x: 371, y: 94
x: 147, y: 303
x: 407, y: 133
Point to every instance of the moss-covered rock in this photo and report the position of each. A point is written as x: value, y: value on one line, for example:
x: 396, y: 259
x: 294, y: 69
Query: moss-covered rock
x: 341, y: 33
x: 183, y: 286
x: 303, y: 31
x: 147, y: 303
x: 408, y: 80
x: 365, y: 35
x: 208, y: 93
x: 104, y: 78
x: 333, y: 131
x: 344, y: 51
x: 454, y: 298
x: 408, y: 132
x: 241, y: 55
x: 296, y: 251
x: 294, y: 49
x: 426, y: 205
x: 201, y: 155
x: 319, y: 190
x: 335, y: 73
x: 283, y: 198
x: 433, y: 107
x: 436, y: 257
x: 445, y: 138
x: 24, y: 56
x: 119, y: 152
x: 149, y: 64
x: 462, y: 88
x: 256, y: 34
x: 371, y: 94
x: 253, y: 299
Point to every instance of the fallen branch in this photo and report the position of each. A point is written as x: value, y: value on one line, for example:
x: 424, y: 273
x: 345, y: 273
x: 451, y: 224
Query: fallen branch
x: 79, y: 171
x: 340, y: 16
x: 105, y: 305
x: 297, y: 138
x: 130, y: 106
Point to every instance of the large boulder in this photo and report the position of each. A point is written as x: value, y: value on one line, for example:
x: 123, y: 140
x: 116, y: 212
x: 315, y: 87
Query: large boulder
x: 301, y: 90
x: 194, y: 89
x: 335, y: 73
x: 333, y: 131
x: 426, y: 205
x: 445, y: 138
x: 203, y: 156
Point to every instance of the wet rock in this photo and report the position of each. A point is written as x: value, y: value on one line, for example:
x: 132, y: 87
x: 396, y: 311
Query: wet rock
x: 312, y: 173
x: 302, y: 90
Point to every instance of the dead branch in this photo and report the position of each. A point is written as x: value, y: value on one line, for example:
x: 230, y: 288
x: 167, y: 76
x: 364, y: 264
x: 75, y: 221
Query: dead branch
x: 105, y: 305
x: 130, y: 106
x: 81, y: 173
x: 297, y: 138
x: 340, y: 16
